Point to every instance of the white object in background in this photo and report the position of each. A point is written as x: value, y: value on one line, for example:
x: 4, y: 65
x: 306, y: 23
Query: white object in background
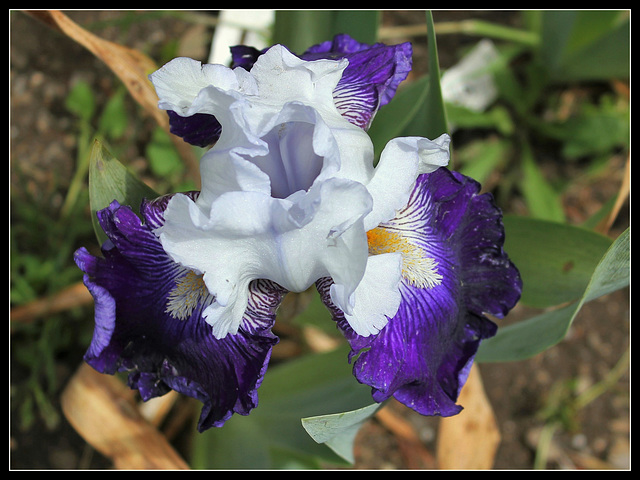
x: 239, y: 27
x: 469, y: 83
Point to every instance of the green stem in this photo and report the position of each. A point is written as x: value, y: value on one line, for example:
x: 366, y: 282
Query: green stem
x: 544, y: 444
x: 466, y: 27
x: 609, y: 381
x: 82, y: 167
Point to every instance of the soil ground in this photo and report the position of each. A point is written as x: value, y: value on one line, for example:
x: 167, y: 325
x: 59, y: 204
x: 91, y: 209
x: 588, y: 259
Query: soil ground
x: 45, y: 65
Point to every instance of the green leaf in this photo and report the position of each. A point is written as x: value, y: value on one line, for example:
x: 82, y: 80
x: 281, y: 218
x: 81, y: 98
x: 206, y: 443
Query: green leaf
x: 300, y: 29
x: 555, y: 260
x: 109, y: 180
x: 317, y: 384
x: 113, y: 121
x: 541, y: 198
x: 497, y: 118
x: 163, y: 158
x: 596, y: 129
x: 338, y: 430
x: 530, y: 337
x: 479, y: 159
x: 436, y: 116
x: 81, y: 101
x: 585, y: 44
x: 361, y: 25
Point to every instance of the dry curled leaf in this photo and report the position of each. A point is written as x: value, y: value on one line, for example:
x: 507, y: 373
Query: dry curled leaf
x: 73, y: 296
x: 131, y: 66
x: 101, y: 409
x: 470, y: 439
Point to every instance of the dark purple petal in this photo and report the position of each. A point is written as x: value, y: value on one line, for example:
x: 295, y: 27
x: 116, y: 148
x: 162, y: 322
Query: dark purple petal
x: 149, y: 327
x: 378, y: 66
x: 371, y: 78
x: 200, y: 129
x: 244, y: 56
x: 423, y: 356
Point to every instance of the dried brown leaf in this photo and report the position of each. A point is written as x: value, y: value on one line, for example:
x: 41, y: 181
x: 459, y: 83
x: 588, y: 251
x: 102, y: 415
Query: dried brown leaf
x: 102, y: 410
x: 470, y: 439
x: 130, y: 65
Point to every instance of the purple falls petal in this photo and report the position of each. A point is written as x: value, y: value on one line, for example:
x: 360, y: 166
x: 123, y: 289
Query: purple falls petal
x: 423, y: 356
x: 136, y: 331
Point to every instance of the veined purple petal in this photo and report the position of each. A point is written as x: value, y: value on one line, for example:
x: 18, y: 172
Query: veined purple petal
x: 423, y: 355
x: 148, y: 321
x: 378, y: 66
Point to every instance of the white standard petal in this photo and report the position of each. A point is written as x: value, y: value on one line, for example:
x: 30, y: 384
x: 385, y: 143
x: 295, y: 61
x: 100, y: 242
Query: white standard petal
x: 179, y: 82
x: 289, y: 190
x: 283, y: 77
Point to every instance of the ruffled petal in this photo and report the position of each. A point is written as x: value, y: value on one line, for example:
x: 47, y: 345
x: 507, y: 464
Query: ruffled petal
x: 423, y: 355
x: 401, y: 161
x: 283, y: 190
x: 368, y: 82
x: 250, y: 235
x: 372, y: 77
x: 289, y: 189
x: 149, y: 321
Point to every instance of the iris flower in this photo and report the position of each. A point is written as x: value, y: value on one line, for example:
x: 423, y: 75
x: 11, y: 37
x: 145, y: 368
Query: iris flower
x: 406, y: 255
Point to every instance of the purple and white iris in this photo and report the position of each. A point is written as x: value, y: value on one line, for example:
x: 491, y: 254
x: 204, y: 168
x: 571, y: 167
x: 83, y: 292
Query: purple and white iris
x: 405, y: 254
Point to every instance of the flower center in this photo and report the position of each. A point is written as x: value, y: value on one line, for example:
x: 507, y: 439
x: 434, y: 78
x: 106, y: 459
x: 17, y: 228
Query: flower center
x: 417, y: 269
x: 189, y: 293
x: 292, y: 164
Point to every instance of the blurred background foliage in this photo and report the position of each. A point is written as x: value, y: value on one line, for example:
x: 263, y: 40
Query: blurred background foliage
x: 561, y: 104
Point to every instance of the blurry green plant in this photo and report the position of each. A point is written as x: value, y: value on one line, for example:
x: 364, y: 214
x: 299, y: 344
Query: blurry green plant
x: 41, y: 268
x: 565, y: 403
x: 570, y: 48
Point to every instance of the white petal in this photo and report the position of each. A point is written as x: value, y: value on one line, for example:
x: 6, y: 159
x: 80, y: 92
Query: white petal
x: 250, y: 235
x: 282, y: 77
x: 401, y: 161
x: 377, y: 297
x: 179, y: 82
x: 289, y: 189
x: 433, y: 154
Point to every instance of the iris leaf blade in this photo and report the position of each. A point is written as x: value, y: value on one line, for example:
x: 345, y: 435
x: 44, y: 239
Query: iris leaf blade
x: 300, y: 29
x: 585, y: 45
x: 110, y: 180
x: 534, y: 335
x: 338, y: 430
x: 555, y: 260
x: 435, y: 111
